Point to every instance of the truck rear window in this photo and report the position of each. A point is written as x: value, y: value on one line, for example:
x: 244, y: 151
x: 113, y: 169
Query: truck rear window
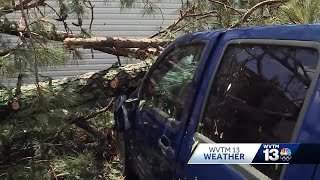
x: 257, y: 94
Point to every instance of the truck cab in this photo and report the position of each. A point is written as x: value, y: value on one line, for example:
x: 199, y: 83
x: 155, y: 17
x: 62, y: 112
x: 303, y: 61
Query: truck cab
x: 244, y: 85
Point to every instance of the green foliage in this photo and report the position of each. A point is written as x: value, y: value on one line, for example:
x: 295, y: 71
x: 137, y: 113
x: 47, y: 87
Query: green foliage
x: 113, y: 170
x: 38, y: 141
x: 76, y: 7
x: 77, y: 55
x: 206, y: 15
x: 30, y: 171
x: 6, y: 66
x: 81, y: 166
x: 51, y: 55
x: 50, y: 145
x: 104, y: 120
x: 300, y: 12
x: 43, y: 27
x: 41, y: 131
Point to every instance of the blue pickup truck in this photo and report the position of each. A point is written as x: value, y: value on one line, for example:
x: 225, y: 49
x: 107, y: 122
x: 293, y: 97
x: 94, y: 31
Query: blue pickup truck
x: 244, y: 85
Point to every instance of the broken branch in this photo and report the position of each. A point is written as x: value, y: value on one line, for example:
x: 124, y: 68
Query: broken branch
x: 82, y: 122
x: 240, y: 12
x: 253, y: 9
x: 172, y: 26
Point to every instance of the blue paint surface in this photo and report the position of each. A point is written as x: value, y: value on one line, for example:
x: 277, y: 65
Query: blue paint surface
x: 182, y: 136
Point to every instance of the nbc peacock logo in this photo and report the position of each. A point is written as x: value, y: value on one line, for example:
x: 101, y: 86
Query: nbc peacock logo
x: 285, y: 151
x: 285, y: 154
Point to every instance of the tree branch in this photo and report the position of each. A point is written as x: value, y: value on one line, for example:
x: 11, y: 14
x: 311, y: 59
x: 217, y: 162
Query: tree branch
x: 82, y: 122
x: 87, y: 126
x: 14, y: 29
x: 254, y: 8
x: 5, y: 53
x: 27, y: 4
x: 172, y: 26
x: 240, y: 12
x: 35, y: 65
x: 187, y: 14
x: 62, y: 19
x: 92, y: 14
x: 100, y: 111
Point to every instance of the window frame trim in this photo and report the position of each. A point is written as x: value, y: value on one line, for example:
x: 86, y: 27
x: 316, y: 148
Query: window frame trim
x: 296, y: 43
x: 165, y: 53
x: 170, y: 49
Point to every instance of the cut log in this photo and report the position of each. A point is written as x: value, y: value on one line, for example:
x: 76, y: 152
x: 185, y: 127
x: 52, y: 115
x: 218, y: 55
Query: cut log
x: 136, y: 48
x: 117, y: 42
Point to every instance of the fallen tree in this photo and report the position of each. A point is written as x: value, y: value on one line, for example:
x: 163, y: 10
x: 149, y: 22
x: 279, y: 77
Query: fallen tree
x: 57, y: 127
x: 87, y: 88
x: 83, y: 101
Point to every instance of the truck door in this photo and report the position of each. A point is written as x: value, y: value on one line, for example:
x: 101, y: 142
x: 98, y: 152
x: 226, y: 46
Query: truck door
x: 163, y: 96
x: 257, y: 91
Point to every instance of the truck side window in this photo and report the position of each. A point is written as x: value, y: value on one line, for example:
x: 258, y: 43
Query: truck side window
x: 257, y: 95
x: 167, y: 86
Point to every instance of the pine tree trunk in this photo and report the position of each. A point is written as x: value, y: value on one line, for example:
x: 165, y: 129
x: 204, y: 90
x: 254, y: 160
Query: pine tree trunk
x: 89, y: 88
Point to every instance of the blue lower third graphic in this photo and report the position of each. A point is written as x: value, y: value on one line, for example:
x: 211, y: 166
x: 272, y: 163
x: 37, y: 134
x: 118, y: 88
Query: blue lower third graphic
x: 256, y: 153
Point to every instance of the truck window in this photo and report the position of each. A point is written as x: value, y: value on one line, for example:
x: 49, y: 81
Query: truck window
x: 257, y: 95
x: 168, y: 84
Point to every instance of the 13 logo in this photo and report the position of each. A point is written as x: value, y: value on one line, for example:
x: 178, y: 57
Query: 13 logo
x: 273, y: 154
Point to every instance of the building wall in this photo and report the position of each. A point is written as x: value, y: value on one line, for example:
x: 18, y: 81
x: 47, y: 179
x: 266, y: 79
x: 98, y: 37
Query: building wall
x: 109, y: 20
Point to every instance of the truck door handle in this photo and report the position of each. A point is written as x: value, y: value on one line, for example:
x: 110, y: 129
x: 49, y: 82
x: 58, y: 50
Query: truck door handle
x: 165, y: 146
x: 164, y: 142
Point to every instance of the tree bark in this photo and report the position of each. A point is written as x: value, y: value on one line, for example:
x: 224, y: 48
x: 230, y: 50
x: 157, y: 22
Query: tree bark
x: 117, y: 42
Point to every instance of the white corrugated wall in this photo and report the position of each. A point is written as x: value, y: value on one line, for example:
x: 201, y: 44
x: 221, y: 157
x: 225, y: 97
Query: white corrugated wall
x: 109, y: 20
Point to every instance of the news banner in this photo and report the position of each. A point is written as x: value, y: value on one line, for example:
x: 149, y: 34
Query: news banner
x: 255, y: 153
